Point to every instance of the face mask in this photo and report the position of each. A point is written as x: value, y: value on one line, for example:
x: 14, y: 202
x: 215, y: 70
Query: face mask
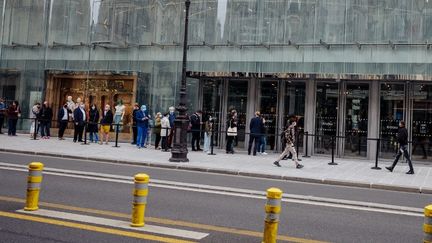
x: 143, y: 108
x: 82, y: 106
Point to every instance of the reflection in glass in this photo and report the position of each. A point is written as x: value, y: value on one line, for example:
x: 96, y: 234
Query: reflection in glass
x: 327, y: 95
x: 268, y: 109
x: 356, y: 119
x: 295, y: 96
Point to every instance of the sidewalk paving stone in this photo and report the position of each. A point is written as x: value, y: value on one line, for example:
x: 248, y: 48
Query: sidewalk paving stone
x: 349, y: 171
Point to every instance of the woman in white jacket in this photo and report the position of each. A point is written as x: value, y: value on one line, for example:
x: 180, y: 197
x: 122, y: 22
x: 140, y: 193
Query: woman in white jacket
x: 165, y: 127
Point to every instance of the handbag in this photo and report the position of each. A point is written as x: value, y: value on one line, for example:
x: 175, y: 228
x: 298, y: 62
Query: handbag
x: 232, y: 131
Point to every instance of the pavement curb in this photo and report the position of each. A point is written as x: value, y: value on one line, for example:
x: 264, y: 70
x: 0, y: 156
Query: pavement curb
x: 231, y: 172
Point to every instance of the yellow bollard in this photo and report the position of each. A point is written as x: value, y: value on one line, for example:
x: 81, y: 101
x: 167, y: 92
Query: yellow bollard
x: 272, y: 208
x: 34, y: 181
x: 427, y: 226
x: 140, y: 199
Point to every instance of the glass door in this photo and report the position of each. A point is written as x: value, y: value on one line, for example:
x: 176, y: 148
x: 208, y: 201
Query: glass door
x: 268, y: 109
x: 237, y: 100
x: 294, y: 104
x: 392, y: 109
x: 421, y: 125
x: 327, y: 103
x: 356, y: 119
x: 211, y: 106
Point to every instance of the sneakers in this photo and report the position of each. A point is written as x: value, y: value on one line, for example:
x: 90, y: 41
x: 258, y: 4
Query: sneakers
x: 277, y: 164
x: 389, y: 168
x: 299, y: 166
x: 411, y: 172
x: 263, y: 153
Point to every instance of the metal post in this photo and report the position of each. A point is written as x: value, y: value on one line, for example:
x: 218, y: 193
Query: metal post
x: 272, y: 209
x: 179, y: 151
x: 359, y: 144
x: 140, y: 199
x: 35, y: 129
x: 376, y: 156
x: 117, y: 133
x: 427, y: 226
x: 34, y: 181
x: 333, y: 138
x: 306, y: 134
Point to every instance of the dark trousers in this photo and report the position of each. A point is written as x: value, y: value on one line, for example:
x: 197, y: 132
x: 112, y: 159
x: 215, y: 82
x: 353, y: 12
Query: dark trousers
x: 170, y: 137
x: 164, y: 143
x: 230, y: 144
x: 12, y: 123
x: 78, y: 132
x: 1, y: 123
x: 62, y: 128
x: 158, y: 139
x: 45, y: 129
x: 403, y: 150
x: 134, y: 132
x: 254, y: 139
x: 195, y: 140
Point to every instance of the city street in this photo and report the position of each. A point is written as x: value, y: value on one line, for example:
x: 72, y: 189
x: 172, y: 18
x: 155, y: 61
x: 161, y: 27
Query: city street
x: 194, y: 206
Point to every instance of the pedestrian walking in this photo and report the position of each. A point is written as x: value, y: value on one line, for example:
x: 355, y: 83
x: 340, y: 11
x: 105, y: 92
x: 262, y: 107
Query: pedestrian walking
x: 13, y: 113
x: 165, y: 127
x: 231, y: 132
x: 2, y: 113
x: 196, y: 123
x: 92, y: 126
x: 63, y: 119
x: 134, y: 123
x: 79, y: 116
x: 255, y: 127
x: 290, y: 139
x: 105, y: 124
x: 157, y: 129
x: 34, y: 115
x: 402, y: 138
x: 45, y: 117
x: 142, y: 126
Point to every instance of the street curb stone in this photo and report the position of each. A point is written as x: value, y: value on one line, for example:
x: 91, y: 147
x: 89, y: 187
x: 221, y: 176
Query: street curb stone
x: 231, y: 172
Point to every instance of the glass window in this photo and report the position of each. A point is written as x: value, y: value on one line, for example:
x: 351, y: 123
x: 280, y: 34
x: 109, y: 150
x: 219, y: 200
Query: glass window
x: 295, y: 97
x: 421, y: 126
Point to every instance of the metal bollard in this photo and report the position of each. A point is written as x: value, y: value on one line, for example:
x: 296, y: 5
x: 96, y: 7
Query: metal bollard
x: 272, y: 209
x: 140, y: 199
x: 427, y: 226
x: 333, y: 151
x: 34, y: 181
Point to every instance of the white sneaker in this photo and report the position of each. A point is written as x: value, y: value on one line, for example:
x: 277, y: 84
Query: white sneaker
x: 264, y: 153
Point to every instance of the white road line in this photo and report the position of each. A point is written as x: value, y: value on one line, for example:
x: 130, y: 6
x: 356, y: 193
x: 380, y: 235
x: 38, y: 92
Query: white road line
x: 117, y: 224
x: 229, y: 191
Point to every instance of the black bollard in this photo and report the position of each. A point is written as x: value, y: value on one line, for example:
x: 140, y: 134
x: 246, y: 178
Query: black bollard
x: 306, y: 134
x: 376, y: 156
x: 359, y: 143
x: 211, y: 142
x: 85, y: 134
x: 333, y: 147
x: 117, y: 132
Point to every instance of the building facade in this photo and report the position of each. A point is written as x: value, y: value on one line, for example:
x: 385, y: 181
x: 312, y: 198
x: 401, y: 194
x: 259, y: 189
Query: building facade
x: 347, y: 68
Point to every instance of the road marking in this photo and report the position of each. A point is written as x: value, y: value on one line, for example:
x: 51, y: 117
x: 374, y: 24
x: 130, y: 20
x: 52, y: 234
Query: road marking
x: 236, y: 192
x: 165, y: 221
x: 117, y: 224
x: 92, y: 228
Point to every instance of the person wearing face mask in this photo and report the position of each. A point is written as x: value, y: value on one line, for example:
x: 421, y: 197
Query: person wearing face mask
x: 142, y: 125
x: 63, y: 119
x: 93, y: 123
x: 79, y: 116
x: 105, y: 122
x: 171, y: 118
x: 289, y: 136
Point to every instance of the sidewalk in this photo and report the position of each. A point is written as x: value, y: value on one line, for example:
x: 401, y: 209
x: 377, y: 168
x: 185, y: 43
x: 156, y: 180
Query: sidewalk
x: 349, y: 172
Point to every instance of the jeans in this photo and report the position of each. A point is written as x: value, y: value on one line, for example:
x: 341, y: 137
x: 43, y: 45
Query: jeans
x: 403, y: 150
x: 78, y: 132
x: 230, y: 144
x: 206, y: 142
x: 45, y: 129
x: 195, y: 140
x: 134, y: 132
x: 263, y: 144
x: 96, y: 137
x: 141, y: 136
x: 62, y: 127
x: 12, y: 126
x: 254, y: 139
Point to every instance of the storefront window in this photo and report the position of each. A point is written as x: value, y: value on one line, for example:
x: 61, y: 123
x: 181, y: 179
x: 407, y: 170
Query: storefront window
x: 237, y: 100
x: 295, y: 105
x: 268, y: 108
x: 421, y: 121
x: 392, y: 112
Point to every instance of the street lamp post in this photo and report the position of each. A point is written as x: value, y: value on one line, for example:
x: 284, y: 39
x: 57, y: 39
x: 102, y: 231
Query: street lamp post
x: 181, y: 123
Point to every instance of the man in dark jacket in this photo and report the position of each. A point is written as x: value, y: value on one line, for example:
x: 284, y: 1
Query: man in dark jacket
x: 402, y: 138
x: 196, y: 123
x: 45, y: 117
x: 79, y: 121
x: 134, y: 123
x: 63, y: 119
x: 256, y: 126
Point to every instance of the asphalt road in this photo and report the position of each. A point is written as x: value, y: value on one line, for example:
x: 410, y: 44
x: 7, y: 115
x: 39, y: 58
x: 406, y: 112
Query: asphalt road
x: 197, y: 210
